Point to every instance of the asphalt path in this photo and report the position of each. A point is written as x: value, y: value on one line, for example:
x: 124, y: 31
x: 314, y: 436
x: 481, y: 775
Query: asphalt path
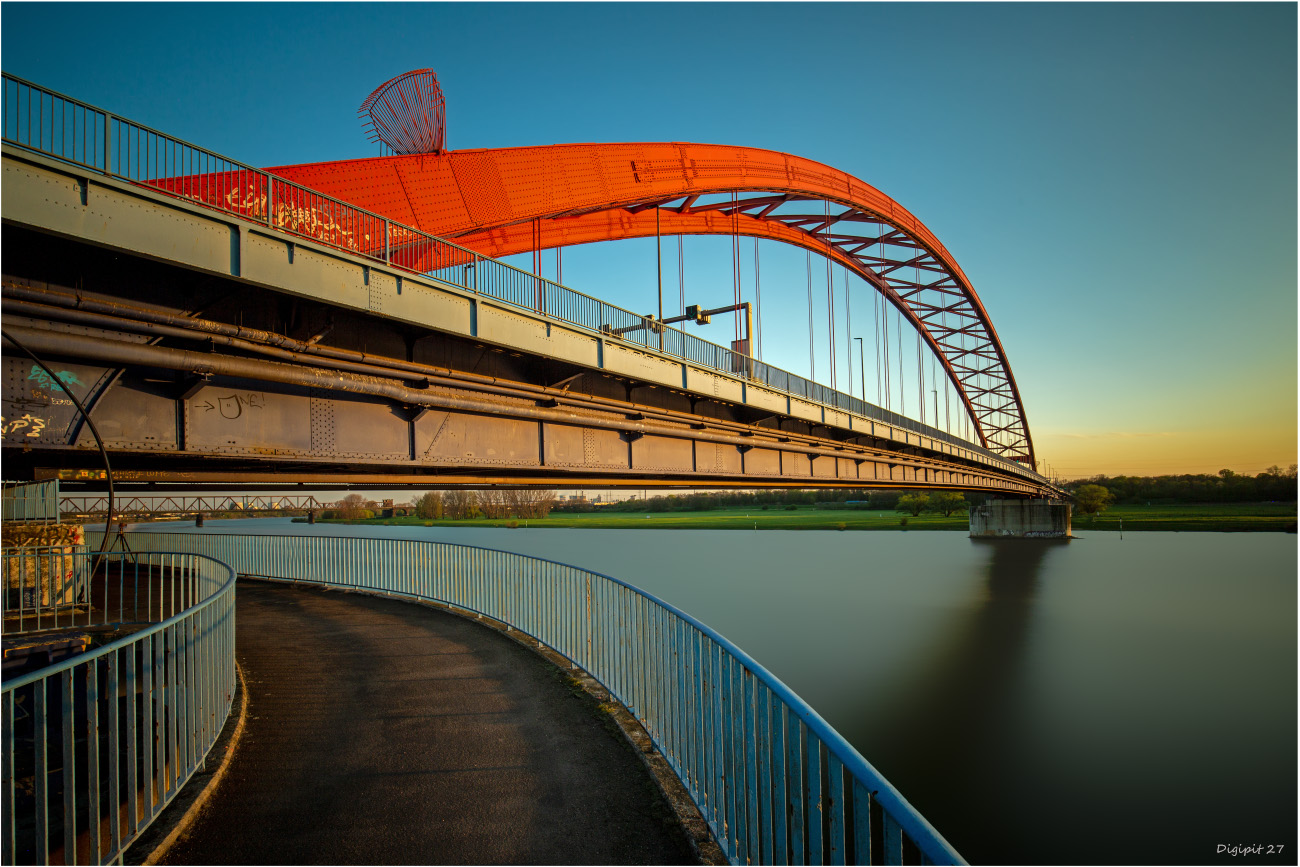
x: 385, y: 732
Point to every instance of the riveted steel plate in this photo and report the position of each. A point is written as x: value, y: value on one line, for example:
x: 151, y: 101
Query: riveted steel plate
x: 465, y: 438
x: 244, y: 420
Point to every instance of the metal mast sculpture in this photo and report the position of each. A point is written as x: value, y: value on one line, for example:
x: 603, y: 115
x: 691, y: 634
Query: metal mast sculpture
x: 408, y: 114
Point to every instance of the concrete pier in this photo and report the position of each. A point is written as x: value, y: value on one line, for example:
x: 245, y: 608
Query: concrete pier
x: 1021, y: 519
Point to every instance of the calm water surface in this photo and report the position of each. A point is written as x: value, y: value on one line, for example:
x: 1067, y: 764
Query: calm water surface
x: 1102, y: 701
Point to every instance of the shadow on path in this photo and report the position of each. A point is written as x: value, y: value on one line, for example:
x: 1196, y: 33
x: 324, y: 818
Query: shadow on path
x: 385, y: 732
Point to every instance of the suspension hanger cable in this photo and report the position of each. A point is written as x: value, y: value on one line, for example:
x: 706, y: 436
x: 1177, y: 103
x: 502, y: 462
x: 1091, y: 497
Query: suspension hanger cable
x: 884, y: 330
x: 848, y: 325
x: 920, y: 374
x: 830, y: 294
x: 758, y: 302
x: 735, y: 260
x: 812, y: 352
x: 875, y: 321
x: 902, y: 380
x: 920, y: 361
x: 681, y: 275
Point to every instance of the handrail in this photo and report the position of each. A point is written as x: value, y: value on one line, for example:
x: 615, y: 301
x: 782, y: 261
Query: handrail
x: 30, y: 501
x: 173, y: 166
x: 747, y: 748
x: 103, y: 740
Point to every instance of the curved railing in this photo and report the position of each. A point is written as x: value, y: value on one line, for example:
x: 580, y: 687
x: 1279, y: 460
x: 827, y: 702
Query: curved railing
x: 774, y: 781
x: 97, y: 744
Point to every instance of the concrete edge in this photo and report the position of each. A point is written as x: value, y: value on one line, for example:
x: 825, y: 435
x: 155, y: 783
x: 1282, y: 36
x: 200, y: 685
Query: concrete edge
x: 153, y: 845
x: 688, y: 815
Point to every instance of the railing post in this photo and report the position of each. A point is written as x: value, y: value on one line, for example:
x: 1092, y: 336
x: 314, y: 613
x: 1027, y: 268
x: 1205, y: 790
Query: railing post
x: 270, y: 197
x: 108, y: 143
x: 388, y: 250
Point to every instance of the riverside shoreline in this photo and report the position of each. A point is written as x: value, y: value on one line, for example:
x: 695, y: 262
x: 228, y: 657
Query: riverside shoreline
x: 1189, y: 517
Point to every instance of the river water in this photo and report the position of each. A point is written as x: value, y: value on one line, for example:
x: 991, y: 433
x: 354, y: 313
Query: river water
x: 1101, y: 701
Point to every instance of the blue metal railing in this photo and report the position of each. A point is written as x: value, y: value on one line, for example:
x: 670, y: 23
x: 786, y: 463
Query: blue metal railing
x: 59, y: 126
x: 30, y: 501
x: 774, y: 781
x: 43, y: 584
x: 96, y: 745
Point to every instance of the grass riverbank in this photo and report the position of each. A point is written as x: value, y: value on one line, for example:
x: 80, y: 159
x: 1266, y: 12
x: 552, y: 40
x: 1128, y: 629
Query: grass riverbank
x: 1192, y: 517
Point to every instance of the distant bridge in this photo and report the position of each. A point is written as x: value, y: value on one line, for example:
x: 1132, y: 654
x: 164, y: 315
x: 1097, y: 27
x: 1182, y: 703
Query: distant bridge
x: 90, y: 506
x: 227, y: 327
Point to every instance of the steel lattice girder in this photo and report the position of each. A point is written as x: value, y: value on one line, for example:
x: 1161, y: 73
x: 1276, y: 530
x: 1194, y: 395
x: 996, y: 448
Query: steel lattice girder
x: 512, y: 200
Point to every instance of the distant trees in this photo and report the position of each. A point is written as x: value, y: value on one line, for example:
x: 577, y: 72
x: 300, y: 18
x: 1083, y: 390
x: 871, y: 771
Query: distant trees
x: 1091, y: 499
x: 459, y: 505
x: 1225, y: 486
x: 354, y: 506
x: 429, y: 505
x: 491, y: 503
x: 913, y: 504
x: 947, y: 502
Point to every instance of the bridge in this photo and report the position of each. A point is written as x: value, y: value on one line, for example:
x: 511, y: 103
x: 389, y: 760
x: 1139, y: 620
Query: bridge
x: 176, y: 321
x: 226, y: 326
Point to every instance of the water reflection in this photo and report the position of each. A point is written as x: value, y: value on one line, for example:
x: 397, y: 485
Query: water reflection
x: 954, y: 721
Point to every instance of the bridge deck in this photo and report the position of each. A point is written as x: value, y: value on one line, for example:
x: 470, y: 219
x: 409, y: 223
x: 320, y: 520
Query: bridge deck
x: 385, y: 732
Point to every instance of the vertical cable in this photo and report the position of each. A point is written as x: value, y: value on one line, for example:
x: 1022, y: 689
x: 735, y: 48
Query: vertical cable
x: 875, y: 321
x: 884, y: 330
x: 830, y: 292
x: 735, y: 261
x: 920, y: 374
x: 758, y: 302
x: 902, y: 380
x: 848, y: 324
x: 681, y: 275
x: 812, y: 351
x: 920, y: 362
x: 659, y: 272
x: 935, y: 389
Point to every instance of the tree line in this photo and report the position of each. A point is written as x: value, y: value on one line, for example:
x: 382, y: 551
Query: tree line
x: 1274, y: 484
x: 461, y: 504
x: 913, y: 502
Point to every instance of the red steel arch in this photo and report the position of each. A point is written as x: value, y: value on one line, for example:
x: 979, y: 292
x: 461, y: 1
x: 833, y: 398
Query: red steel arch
x: 501, y: 201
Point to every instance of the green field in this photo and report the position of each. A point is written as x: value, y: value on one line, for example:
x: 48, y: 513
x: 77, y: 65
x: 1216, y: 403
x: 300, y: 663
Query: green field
x: 1204, y: 517
x: 1192, y: 517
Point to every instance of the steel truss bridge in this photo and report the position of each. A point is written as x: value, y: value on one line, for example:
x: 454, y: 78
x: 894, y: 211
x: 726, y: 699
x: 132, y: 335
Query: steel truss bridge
x: 136, y: 506
x: 232, y: 327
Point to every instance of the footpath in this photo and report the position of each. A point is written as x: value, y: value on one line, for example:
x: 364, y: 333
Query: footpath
x: 384, y: 732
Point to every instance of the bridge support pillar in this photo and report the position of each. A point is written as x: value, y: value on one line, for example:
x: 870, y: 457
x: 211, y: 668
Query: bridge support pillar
x: 198, y: 519
x: 311, y: 516
x: 1021, y: 519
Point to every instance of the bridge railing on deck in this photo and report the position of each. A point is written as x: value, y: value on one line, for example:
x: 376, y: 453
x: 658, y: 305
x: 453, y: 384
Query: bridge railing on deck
x: 138, y: 682
x: 774, y: 781
x: 30, y: 501
x: 50, y: 123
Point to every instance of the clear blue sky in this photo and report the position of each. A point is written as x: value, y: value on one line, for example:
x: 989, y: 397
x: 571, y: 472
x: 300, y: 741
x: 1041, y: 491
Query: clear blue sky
x: 1117, y: 180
